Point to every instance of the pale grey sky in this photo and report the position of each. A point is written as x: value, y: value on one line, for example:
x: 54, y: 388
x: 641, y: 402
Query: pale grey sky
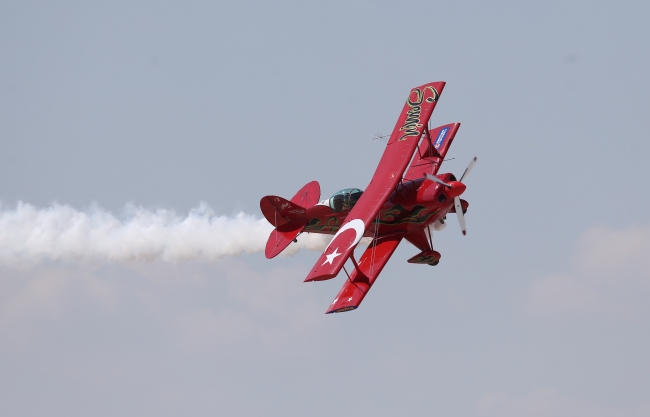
x: 541, y: 310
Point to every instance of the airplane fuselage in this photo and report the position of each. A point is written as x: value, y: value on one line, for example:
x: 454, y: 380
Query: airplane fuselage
x: 412, y: 205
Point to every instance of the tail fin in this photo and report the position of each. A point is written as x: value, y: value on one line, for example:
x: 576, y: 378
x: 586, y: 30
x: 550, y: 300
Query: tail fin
x: 288, y: 217
x: 308, y: 195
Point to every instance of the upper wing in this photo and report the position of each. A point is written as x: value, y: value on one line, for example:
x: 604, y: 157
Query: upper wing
x: 415, y: 115
x: 432, y: 151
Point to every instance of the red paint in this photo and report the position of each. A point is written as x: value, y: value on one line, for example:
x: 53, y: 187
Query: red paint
x: 395, y: 205
x: 457, y: 188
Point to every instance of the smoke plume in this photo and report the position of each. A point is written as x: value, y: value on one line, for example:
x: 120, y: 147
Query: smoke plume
x: 61, y: 233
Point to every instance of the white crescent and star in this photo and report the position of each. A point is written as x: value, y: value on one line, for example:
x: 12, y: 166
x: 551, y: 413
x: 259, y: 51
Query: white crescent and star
x: 358, y: 226
x: 331, y: 257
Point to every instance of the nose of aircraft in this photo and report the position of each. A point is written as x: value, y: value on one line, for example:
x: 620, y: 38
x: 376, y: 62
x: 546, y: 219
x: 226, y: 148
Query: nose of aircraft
x: 456, y: 189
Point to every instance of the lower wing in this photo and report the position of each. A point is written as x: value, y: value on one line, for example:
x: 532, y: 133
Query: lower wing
x: 361, y: 279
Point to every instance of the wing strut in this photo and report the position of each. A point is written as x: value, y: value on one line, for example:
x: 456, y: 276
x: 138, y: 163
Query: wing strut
x: 430, y: 238
x: 430, y: 147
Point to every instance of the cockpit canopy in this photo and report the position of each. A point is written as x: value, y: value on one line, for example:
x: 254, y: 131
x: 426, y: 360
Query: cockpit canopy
x: 344, y: 200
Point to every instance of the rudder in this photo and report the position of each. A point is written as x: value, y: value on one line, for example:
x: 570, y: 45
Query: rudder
x: 288, y: 217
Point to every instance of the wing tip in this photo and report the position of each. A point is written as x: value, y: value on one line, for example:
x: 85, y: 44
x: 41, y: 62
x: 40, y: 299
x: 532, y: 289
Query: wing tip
x: 322, y: 277
x: 341, y: 309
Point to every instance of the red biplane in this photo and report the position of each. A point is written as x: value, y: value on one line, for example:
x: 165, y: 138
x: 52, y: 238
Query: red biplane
x: 395, y: 206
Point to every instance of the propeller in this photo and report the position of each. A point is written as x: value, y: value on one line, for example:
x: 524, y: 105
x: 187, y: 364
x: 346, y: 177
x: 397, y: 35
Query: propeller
x: 468, y: 169
x: 457, y: 206
x: 438, y: 180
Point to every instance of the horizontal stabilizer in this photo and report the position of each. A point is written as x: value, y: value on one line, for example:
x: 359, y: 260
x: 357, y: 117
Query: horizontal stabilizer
x: 288, y: 217
x: 280, y: 211
x: 281, y: 237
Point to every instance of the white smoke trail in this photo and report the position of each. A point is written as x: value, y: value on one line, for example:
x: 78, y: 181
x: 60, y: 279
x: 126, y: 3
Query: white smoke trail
x: 62, y: 233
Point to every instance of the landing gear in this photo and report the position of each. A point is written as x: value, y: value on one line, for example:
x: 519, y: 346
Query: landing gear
x: 429, y: 257
x: 439, y: 225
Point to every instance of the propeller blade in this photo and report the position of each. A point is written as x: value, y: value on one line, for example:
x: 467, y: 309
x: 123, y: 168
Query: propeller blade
x: 438, y: 180
x: 459, y: 213
x: 468, y: 169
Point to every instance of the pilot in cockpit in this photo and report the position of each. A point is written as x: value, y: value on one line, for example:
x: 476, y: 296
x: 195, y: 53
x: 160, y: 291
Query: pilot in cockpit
x: 344, y: 200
